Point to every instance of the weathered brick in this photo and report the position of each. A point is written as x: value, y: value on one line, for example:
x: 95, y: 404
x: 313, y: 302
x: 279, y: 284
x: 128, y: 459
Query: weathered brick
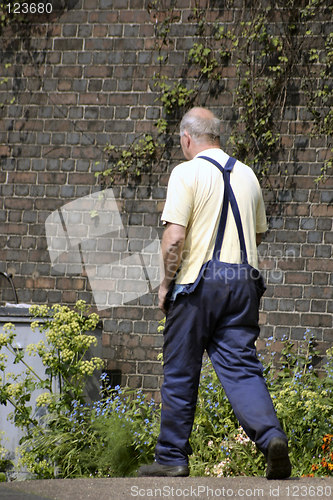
x: 97, y: 77
x: 22, y: 177
x: 283, y: 318
x: 310, y: 320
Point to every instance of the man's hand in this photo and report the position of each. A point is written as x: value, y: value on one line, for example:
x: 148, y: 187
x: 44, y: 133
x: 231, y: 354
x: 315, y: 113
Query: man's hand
x: 162, y: 293
x: 259, y: 238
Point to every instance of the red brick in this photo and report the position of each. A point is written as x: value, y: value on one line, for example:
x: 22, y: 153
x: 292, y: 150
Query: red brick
x: 129, y: 312
x: 44, y: 283
x: 135, y: 16
x: 58, y: 125
x: 68, y: 72
x: 322, y: 210
x: 81, y: 178
x: 56, y: 152
x: 320, y: 265
x: 298, y: 278
x: 33, y: 125
x: 69, y: 296
x: 288, y: 291
x: 98, y: 72
x: 103, y: 17
x: 52, y: 178
x: 86, y: 152
x: 95, y: 44
x: 100, y: 30
x: 292, y: 264
x: 93, y: 98
x: 11, y: 228
x: 288, y: 319
x: 19, y: 203
x: 316, y: 320
x: 22, y: 177
x: 62, y: 99
x: 65, y: 85
x: 68, y: 283
x: 4, y: 151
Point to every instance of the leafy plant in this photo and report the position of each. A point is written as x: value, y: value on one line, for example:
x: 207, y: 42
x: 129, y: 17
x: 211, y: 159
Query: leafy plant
x: 325, y: 467
x: 264, y: 46
x: 303, y: 403
x: 63, y: 355
x: 7, y: 15
x: 108, y: 438
x: 129, y: 162
x: 5, y: 462
x: 116, y: 434
x: 320, y: 97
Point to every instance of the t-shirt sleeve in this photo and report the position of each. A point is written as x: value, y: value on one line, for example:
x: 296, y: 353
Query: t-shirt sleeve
x: 179, y: 200
x: 261, y: 220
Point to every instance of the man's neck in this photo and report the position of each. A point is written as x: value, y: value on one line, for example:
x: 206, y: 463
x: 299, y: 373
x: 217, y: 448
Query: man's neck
x: 198, y: 148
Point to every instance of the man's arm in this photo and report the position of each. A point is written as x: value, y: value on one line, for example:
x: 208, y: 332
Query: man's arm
x: 259, y: 237
x: 172, y: 248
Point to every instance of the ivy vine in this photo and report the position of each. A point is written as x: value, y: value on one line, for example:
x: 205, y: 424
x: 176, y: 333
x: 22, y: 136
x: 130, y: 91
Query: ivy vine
x: 268, y: 46
x: 6, y: 18
x: 129, y: 162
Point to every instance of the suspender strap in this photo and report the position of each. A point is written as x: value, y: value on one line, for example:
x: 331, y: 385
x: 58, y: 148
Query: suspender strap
x: 228, y: 197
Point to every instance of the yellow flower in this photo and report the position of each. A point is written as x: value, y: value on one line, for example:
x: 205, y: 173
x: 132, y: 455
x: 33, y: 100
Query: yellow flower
x: 44, y: 399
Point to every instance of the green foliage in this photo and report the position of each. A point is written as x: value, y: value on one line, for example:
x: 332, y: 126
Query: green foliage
x: 325, y: 467
x: 173, y: 96
x: 267, y: 51
x: 108, y: 438
x: 10, y: 18
x: 164, y: 14
x: 7, y: 18
x: 320, y: 97
x: 5, y: 462
x: 129, y: 162
x: 266, y: 47
x: 63, y: 356
x: 116, y: 434
x: 4, y: 81
x: 303, y: 402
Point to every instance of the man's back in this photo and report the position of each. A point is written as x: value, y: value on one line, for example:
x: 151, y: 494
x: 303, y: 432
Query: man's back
x: 195, y: 197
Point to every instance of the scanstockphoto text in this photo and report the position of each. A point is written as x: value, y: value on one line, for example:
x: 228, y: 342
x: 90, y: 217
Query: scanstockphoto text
x: 270, y: 264
x: 265, y: 491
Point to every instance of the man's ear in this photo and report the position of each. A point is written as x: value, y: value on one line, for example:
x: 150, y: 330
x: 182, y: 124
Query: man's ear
x: 187, y: 138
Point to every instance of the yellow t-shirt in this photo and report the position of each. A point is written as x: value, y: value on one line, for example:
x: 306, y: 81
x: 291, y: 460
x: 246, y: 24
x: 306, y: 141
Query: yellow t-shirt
x: 194, y: 200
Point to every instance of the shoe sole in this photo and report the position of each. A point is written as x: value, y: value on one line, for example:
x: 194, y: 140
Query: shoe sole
x: 153, y: 471
x: 278, y: 463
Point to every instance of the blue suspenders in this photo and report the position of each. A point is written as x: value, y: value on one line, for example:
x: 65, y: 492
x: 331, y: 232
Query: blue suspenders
x: 228, y: 197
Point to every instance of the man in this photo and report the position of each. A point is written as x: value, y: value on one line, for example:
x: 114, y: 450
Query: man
x: 210, y: 294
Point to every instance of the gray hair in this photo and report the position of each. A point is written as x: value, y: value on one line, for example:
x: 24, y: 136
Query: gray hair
x: 201, y: 128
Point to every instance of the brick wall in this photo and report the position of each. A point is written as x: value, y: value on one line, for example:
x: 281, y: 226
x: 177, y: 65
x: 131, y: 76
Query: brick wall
x: 82, y: 77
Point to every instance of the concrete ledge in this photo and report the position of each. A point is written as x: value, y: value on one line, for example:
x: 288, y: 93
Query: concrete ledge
x: 174, y: 488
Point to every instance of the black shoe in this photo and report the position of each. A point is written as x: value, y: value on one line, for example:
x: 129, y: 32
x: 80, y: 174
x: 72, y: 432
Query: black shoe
x: 278, y: 463
x: 156, y: 469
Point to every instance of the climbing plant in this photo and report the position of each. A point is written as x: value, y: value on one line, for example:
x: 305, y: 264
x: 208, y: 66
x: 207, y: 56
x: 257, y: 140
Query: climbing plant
x: 7, y: 17
x: 269, y: 46
x: 320, y: 97
x: 129, y: 162
x: 272, y: 50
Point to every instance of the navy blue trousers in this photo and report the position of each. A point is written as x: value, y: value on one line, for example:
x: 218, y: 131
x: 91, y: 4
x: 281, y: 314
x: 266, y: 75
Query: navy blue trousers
x: 220, y: 316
